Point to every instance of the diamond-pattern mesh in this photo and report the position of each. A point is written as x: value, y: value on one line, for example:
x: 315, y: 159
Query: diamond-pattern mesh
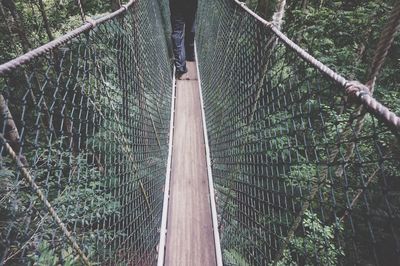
x: 297, y: 181
x: 296, y: 184
x: 93, y: 120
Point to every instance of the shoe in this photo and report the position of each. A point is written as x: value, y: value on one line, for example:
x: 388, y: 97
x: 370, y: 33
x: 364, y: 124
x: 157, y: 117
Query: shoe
x: 179, y: 74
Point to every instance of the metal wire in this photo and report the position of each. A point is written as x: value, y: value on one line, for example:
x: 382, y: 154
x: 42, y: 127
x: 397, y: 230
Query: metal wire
x: 279, y: 128
x: 92, y: 111
x: 92, y: 114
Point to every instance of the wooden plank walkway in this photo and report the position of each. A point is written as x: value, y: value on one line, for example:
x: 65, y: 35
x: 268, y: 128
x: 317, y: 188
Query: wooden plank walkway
x: 190, y: 236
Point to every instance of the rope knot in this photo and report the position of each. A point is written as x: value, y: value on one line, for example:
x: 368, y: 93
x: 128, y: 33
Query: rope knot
x: 91, y: 22
x: 243, y: 4
x: 355, y: 90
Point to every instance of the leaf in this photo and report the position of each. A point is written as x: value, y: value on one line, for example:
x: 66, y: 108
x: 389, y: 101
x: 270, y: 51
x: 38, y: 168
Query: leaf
x: 4, y: 173
x: 232, y: 257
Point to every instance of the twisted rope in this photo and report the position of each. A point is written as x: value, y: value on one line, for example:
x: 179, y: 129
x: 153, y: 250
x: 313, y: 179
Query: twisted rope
x: 90, y: 24
x: 355, y: 90
x: 82, y: 13
x: 370, y: 103
x: 25, y: 174
x: 277, y: 21
x: 277, y: 18
x: 384, y: 44
x: 364, y: 93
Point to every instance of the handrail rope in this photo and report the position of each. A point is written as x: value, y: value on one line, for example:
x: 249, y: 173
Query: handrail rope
x: 360, y: 93
x: 385, y: 42
x: 11, y: 65
x: 35, y: 187
x: 357, y: 89
x: 354, y: 90
x: 90, y: 24
x: 300, y: 51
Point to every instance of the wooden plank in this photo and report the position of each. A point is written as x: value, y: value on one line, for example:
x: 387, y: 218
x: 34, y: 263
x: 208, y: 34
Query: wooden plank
x: 190, y: 236
x: 192, y: 70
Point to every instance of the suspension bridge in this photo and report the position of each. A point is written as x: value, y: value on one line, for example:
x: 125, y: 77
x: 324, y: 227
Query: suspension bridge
x: 261, y: 156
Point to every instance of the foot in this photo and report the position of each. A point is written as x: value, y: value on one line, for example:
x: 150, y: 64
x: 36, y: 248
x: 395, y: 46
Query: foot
x: 181, y: 75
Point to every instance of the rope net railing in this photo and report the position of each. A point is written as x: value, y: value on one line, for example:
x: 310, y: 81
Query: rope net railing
x: 297, y: 182
x: 84, y: 133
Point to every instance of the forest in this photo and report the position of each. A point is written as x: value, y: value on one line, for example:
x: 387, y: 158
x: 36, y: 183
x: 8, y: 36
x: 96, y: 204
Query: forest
x: 95, y: 167
x: 298, y: 180
x: 77, y: 143
x: 341, y: 34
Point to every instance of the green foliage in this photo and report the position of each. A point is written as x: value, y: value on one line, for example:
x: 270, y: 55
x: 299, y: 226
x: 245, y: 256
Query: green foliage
x: 301, y: 175
x: 82, y: 203
x: 344, y: 35
x: 62, y: 16
x: 46, y: 256
x: 233, y: 258
x: 316, y: 246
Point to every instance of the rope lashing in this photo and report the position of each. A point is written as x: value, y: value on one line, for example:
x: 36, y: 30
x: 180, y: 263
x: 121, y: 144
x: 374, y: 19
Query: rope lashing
x: 91, y: 22
x: 286, y: 97
x: 261, y: 156
x: 361, y: 93
x: 371, y: 104
x: 355, y: 89
x: 254, y: 14
x: 364, y: 93
x: 277, y: 18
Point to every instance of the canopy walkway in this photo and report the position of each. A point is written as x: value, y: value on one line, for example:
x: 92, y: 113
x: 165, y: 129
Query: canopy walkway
x: 263, y: 156
x: 189, y: 232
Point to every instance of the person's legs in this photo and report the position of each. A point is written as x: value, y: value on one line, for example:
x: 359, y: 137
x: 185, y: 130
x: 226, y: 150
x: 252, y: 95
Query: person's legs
x: 178, y: 25
x: 190, y: 16
x: 189, y: 41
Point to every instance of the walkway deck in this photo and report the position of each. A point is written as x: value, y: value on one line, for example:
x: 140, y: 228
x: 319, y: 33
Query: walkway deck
x: 190, y: 237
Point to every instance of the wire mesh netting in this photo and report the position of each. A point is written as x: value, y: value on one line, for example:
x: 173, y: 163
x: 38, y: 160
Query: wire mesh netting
x: 89, y: 121
x: 302, y: 176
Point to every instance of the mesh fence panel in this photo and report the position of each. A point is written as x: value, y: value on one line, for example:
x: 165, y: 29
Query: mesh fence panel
x: 93, y: 120
x: 295, y: 181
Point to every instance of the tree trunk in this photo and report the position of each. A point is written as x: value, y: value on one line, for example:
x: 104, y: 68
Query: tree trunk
x: 18, y: 24
x: 263, y: 7
x: 3, y: 14
x: 115, y: 4
x: 9, y: 129
x: 45, y: 20
x: 9, y: 42
x: 304, y: 4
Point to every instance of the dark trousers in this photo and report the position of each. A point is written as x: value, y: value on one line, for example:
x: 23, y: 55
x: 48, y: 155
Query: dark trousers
x: 183, y: 14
